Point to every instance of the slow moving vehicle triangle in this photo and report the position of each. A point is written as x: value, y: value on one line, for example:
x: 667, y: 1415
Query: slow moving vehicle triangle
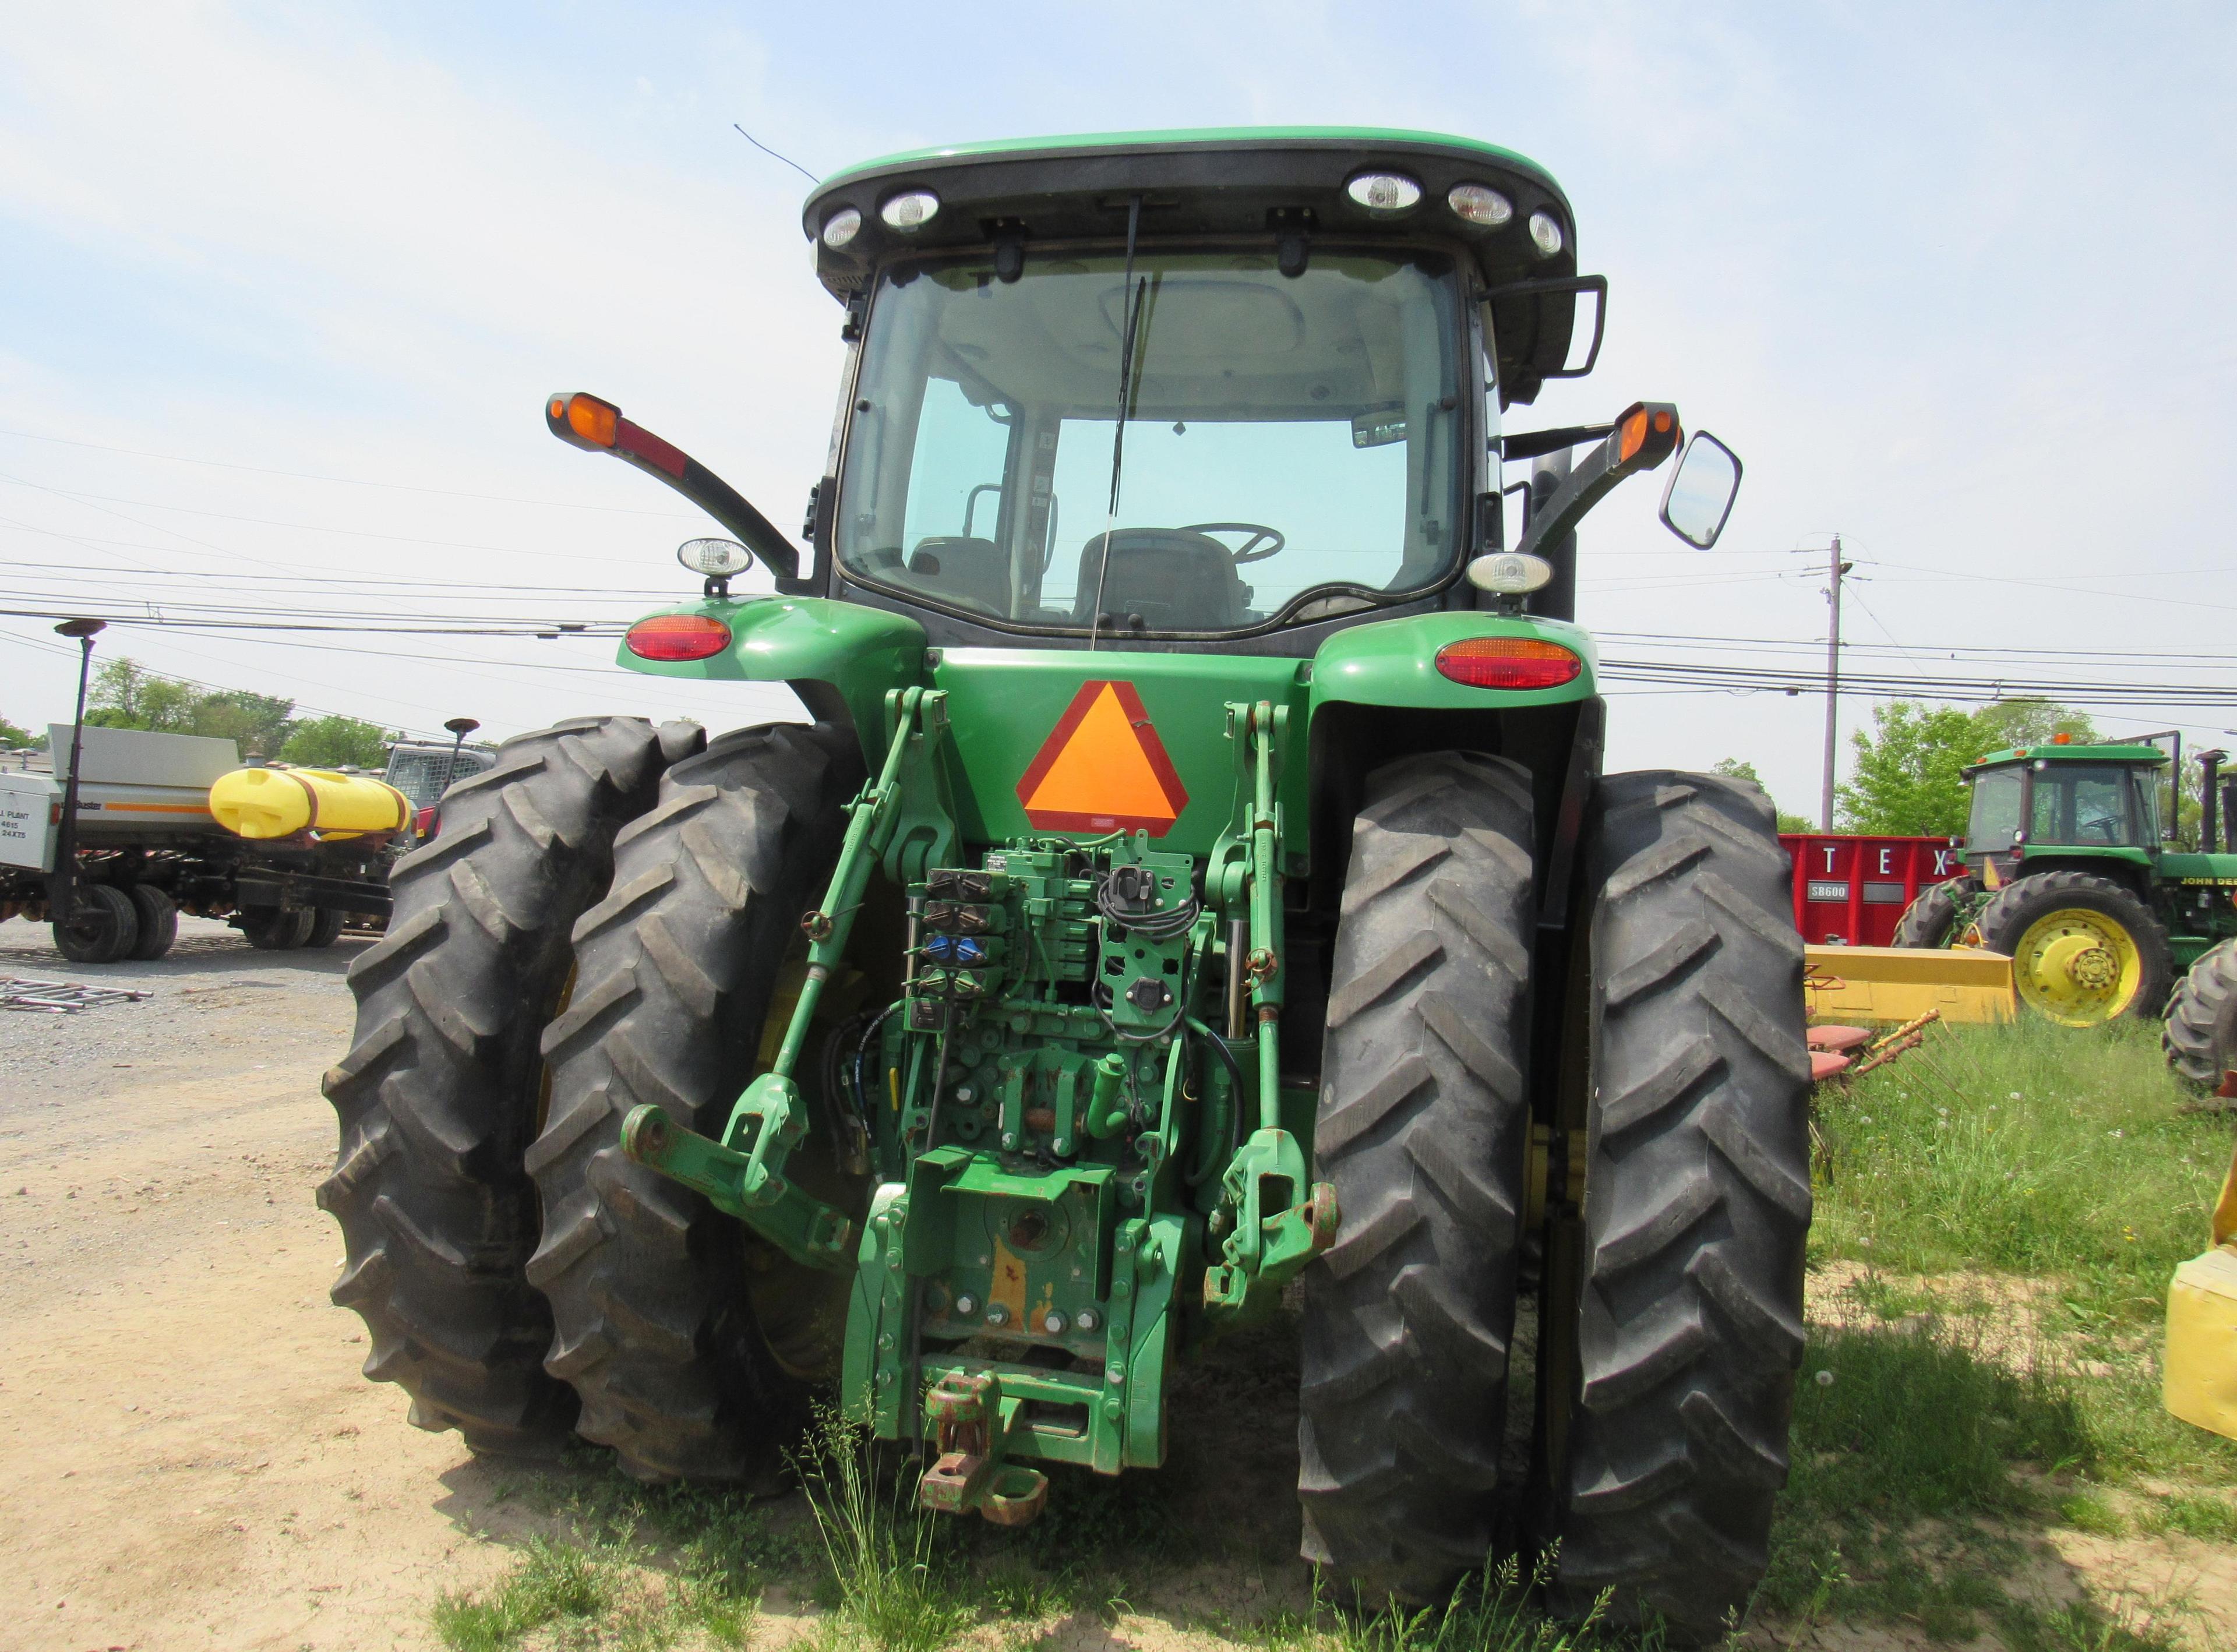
x: 1103, y: 768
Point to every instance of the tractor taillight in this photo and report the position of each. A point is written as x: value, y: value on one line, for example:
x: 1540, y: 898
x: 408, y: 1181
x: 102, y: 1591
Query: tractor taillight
x: 1508, y: 663
x: 674, y: 637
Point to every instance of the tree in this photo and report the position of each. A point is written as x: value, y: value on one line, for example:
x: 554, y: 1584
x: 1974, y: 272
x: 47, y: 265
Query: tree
x: 127, y: 695
x: 1908, y: 778
x: 13, y: 736
x: 2009, y: 723
x: 1734, y: 769
x: 335, y: 742
x: 1908, y: 775
x: 256, y: 723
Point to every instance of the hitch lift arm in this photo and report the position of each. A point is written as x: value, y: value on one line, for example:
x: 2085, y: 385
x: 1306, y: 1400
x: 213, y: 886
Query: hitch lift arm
x: 743, y: 1173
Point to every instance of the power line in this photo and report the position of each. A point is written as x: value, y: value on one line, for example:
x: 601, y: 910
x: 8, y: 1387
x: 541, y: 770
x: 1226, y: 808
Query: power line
x: 104, y: 500
x: 345, y: 481
x: 43, y: 646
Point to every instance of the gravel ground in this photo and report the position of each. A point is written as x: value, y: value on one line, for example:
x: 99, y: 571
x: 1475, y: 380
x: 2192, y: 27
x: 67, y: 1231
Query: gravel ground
x: 213, y: 1001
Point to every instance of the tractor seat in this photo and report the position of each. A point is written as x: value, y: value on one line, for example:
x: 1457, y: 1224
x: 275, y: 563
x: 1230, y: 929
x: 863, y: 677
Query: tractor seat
x: 1176, y: 581
x: 959, y: 570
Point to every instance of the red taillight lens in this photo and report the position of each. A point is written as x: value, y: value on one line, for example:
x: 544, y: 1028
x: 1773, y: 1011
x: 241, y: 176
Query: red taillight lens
x: 1508, y: 663
x: 678, y: 636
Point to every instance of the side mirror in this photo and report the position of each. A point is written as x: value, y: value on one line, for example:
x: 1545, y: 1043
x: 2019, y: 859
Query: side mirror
x: 1701, y: 490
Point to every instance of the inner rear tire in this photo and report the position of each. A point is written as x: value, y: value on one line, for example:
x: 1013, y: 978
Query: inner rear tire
x: 689, y: 1340
x: 438, y: 1096
x: 326, y: 926
x: 1697, y: 1204
x: 103, y: 928
x: 1932, y: 918
x: 2200, y: 1039
x: 158, y: 922
x: 1422, y: 1127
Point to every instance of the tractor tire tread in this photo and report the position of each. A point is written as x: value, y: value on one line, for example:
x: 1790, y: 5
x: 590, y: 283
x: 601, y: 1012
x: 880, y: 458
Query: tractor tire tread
x: 437, y: 1096
x: 1423, y: 1129
x: 2200, y: 1039
x: 663, y: 1306
x: 1697, y: 1204
x: 1930, y: 919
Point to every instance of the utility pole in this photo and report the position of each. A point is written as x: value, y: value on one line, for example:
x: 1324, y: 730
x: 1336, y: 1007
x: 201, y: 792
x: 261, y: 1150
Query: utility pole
x: 61, y: 882
x: 1836, y: 568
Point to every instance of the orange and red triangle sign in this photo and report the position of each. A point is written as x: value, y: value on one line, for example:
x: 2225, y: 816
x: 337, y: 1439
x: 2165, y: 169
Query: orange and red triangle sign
x: 1103, y: 768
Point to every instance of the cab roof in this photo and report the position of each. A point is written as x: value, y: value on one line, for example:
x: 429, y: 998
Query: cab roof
x: 1249, y: 183
x: 2072, y: 753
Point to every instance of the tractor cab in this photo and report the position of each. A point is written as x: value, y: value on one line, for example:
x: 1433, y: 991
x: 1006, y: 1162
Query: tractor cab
x: 1196, y: 878
x: 2065, y: 800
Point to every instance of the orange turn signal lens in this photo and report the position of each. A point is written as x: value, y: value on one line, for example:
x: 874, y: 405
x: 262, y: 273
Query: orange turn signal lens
x: 1631, y: 437
x: 594, y: 421
x: 1508, y: 662
x: 678, y: 636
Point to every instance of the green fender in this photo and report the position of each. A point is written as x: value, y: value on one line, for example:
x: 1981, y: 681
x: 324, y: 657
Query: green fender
x: 825, y: 651
x: 1394, y: 662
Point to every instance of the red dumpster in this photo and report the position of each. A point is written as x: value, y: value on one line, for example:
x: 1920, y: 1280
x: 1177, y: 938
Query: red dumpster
x: 1852, y: 889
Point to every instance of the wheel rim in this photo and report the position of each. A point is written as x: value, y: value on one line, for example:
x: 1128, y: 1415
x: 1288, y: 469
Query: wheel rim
x: 2077, y: 967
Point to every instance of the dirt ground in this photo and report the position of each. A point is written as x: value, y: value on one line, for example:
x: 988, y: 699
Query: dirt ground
x: 191, y: 1457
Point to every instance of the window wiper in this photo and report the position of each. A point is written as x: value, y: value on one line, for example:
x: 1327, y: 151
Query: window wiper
x: 1133, y: 297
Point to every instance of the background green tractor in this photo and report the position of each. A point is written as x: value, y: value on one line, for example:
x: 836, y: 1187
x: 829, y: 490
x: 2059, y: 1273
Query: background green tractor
x: 1209, y: 885
x: 2071, y: 871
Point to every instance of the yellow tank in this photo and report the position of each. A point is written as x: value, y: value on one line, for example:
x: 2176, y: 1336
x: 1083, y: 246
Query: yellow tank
x: 280, y: 802
x: 2198, y: 1379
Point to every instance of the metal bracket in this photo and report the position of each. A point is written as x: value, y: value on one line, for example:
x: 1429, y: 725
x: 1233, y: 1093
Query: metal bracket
x: 743, y: 1175
x: 1268, y: 1247
x: 972, y: 1423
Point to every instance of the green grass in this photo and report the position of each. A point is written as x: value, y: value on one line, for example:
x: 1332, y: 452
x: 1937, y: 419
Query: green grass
x: 600, y: 1594
x: 2055, y: 1174
x: 892, y: 1575
x: 2028, y: 1149
x: 1494, y: 1611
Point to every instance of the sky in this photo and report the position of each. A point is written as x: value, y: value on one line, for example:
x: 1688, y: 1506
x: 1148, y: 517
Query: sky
x: 282, y: 289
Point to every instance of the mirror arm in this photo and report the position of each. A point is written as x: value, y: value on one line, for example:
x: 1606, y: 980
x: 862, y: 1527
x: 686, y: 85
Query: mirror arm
x: 1537, y: 443
x: 1597, y: 473
x: 666, y: 463
x: 711, y: 494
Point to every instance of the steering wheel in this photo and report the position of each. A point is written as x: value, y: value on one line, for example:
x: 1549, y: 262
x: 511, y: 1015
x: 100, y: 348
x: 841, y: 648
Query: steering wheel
x: 1259, y: 533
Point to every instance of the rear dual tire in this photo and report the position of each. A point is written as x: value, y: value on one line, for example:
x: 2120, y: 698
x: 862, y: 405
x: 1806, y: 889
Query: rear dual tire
x: 1686, y: 1316
x: 2200, y: 1039
x: 1697, y: 1206
x: 691, y: 1342
x: 1423, y: 1127
x: 440, y: 1093
x: 584, y: 934
x: 103, y: 927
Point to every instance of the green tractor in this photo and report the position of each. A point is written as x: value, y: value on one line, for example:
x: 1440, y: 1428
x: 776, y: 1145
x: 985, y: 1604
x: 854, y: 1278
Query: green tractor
x: 2068, y: 869
x: 1196, y: 900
